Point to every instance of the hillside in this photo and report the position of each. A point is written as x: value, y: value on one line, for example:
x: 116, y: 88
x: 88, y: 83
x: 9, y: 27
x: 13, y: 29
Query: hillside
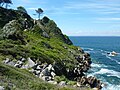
x: 30, y: 48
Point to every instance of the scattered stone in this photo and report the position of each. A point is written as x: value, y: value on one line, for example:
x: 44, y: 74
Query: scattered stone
x: 52, y: 82
x: 45, y: 35
x: 53, y: 74
x: 83, y: 80
x: 30, y: 63
x: 7, y: 60
x: 23, y: 59
x: 38, y: 68
x: 46, y: 78
x: 95, y: 89
x: 11, y: 63
x: 78, y: 84
x: 32, y: 70
x: 37, y: 72
x: 62, y: 83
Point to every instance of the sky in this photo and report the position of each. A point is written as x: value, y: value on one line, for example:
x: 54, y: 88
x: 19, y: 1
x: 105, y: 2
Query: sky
x: 78, y: 17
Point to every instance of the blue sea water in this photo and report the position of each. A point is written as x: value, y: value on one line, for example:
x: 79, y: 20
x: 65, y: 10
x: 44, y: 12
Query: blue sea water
x: 104, y: 67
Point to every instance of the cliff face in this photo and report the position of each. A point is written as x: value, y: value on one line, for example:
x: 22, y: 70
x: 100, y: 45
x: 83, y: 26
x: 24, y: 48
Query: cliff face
x: 40, y: 47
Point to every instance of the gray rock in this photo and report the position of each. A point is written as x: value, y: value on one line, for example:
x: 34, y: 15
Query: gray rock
x: 2, y: 88
x: 7, y: 60
x: 32, y: 70
x: 46, y: 78
x: 29, y: 64
x: 37, y: 72
x: 78, y: 84
x: 11, y: 63
x: 24, y: 66
x: 52, y: 82
x: 62, y: 83
x: 45, y: 35
x: 53, y: 74
x: 17, y: 65
x: 23, y: 59
x: 38, y: 67
x: 47, y: 71
x: 10, y: 28
x: 19, y: 62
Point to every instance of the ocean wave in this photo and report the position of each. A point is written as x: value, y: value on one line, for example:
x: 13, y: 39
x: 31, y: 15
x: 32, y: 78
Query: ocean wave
x: 98, y: 65
x: 95, y: 65
x: 91, y: 49
x: 118, y: 62
x: 113, y: 59
x: 108, y: 72
x: 111, y: 87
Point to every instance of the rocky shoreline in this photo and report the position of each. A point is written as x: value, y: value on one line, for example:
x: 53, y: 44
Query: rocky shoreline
x: 42, y: 49
x: 47, y: 72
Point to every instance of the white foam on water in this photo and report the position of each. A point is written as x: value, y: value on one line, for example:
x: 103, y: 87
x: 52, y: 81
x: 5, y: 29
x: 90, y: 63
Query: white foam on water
x: 91, y: 49
x: 111, y: 87
x: 98, y: 65
x: 91, y: 74
x: 95, y: 65
x: 87, y: 51
x: 108, y: 72
x: 112, y: 59
x: 118, y: 62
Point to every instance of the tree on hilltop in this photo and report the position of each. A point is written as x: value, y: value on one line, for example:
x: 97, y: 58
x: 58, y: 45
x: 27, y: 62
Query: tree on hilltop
x: 7, y: 2
x: 21, y: 9
x: 39, y: 11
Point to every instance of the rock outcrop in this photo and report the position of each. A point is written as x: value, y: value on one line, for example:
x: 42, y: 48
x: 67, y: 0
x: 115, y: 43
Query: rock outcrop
x: 40, y: 47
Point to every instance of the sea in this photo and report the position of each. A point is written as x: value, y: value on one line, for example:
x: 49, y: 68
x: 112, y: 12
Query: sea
x: 104, y: 66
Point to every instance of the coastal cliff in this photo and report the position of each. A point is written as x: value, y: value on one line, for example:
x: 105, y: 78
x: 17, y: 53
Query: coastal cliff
x: 34, y: 52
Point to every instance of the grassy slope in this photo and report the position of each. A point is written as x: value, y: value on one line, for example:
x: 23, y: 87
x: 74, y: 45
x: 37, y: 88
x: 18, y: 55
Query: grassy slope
x: 17, y: 79
x: 43, y: 49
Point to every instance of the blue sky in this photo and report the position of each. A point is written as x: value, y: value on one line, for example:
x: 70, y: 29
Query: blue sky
x: 79, y: 17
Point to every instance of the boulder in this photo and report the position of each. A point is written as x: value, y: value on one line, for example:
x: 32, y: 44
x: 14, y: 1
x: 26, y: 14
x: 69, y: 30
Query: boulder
x: 30, y: 63
x: 32, y: 70
x: 17, y: 65
x: 38, y: 67
x: 94, y: 83
x: 46, y: 78
x: 45, y: 35
x: 19, y: 62
x: 11, y: 29
x: 62, y: 83
x: 11, y: 63
x: 53, y: 74
x: 47, y: 70
x: 7, y: 60
x: 83, y: 80
x: 37, y: 72
x: 78, y: 84
x: 2, y: 88
x: 23, y: 59
x: 52, y: 82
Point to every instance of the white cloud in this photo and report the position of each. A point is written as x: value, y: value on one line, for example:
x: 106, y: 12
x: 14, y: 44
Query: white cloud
x: 95, y: 33
x: 32, y: 8
x: 103, y: 6
x: 109, y: 19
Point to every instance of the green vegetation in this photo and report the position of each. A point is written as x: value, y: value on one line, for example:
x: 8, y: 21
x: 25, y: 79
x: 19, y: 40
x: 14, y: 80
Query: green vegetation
x: 42, y: 41
x: 21, y: 9
x: 18, y: 79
